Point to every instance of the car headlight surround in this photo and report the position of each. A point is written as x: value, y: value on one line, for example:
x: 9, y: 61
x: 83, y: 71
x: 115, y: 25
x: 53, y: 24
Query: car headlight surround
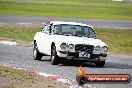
x: 71, y: 46
x: 97, y: 49
x: 104, y: 50
x: 63, y: 46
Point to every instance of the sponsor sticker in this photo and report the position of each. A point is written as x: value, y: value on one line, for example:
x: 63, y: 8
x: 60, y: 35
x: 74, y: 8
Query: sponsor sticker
x: 83, y: 78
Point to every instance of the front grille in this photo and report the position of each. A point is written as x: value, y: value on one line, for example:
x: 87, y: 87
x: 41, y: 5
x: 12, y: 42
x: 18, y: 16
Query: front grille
x: 73, y: 54
x: 83, y: 47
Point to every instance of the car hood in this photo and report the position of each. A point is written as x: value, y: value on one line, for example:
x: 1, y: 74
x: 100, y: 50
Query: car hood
x: 77, y: 40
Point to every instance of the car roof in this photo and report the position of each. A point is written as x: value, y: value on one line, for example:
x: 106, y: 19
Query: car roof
x: 71, y: 23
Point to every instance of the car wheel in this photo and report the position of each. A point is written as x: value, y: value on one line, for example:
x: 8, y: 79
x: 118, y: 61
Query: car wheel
x: 54, y: 57
x: 36, y: 54
x: 100, y: 63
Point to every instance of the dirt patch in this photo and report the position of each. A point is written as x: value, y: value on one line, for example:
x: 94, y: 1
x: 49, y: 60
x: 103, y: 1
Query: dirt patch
x: 41, y: 82
x: 28, y: 80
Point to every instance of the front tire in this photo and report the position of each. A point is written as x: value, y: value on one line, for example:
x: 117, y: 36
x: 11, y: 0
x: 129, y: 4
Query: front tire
x: 54, y: 58
x: 100, y: 63
x: 36, y: 54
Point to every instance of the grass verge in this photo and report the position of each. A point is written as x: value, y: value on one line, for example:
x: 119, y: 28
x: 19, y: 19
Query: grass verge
x: 19, y: 32
x: 118, y: 40
x: 14, y: 78
x: 16, y: 74
x: 106, y: 9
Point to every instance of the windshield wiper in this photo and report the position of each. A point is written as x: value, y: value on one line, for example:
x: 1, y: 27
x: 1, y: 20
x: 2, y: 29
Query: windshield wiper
x: 67, y: 34
x: 77, y: 35
x: 59, y: 33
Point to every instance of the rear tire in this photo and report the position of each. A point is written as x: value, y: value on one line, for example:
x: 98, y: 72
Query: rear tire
x: 36, y: 54
x: 54, y: 58
x: 100, y: 63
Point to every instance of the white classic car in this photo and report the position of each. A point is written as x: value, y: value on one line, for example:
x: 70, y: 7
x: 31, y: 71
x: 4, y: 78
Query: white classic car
x: 69, y: 41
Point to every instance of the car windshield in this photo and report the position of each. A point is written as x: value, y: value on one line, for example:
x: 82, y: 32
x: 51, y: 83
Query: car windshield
x: 75, y: 30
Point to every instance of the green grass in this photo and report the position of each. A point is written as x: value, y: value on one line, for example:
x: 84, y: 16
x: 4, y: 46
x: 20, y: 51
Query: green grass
x: 19, y: 32
x: 106, y: 9
x: 16, y: 74
x: 118, y: 40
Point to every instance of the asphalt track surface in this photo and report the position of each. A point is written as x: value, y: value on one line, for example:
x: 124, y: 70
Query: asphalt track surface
x: 21, y: 56
x: 101, y: 23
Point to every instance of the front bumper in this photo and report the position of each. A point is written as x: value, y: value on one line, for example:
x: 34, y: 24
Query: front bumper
x: 75, y: 56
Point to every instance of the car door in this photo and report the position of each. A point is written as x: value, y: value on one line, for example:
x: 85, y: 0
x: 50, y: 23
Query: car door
x: 43, y: 40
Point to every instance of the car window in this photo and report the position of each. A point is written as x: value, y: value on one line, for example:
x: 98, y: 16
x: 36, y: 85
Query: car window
x: 66, y: 29
x: 70, y: 28
x: 89, y: 32
x: 46, y: 29
x: 75, y: 30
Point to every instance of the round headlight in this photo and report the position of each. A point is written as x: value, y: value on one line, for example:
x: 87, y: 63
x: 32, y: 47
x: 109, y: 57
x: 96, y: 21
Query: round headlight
x: 63, y: 46
x: 71, y: 46
x: 97, y: 48
x: 104, y: 49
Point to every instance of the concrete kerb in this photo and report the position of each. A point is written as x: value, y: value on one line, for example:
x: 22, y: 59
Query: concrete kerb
x: 69, y: 82
x: 7, y: 42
